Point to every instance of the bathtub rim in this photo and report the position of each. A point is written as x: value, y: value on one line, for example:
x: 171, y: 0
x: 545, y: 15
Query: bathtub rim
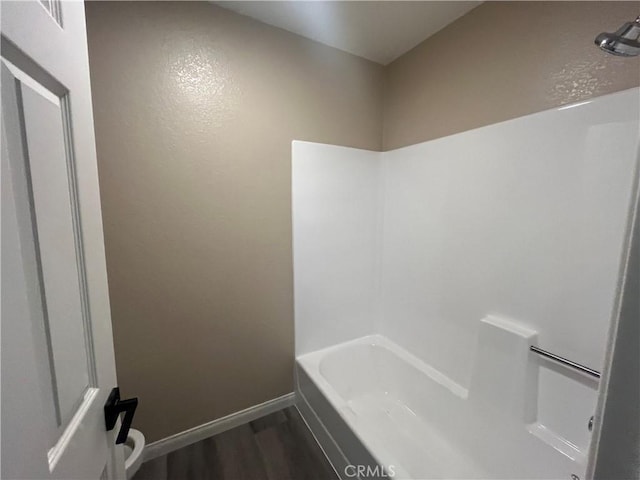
x: 311, y: 362
x: 310, y: 365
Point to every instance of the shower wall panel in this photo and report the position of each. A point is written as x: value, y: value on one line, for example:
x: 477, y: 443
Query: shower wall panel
x: 463, y: 252
x: 522, y: 219
x: 335, y: 243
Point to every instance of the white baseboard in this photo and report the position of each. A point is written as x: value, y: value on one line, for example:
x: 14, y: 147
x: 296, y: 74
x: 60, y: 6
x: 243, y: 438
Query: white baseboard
x: 206, y: 430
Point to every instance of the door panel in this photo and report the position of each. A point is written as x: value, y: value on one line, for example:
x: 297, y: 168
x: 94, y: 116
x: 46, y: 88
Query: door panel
x: 43, y: 179
x: 53, y: 7
x: 59, y: 251
x: 21, y: 358
x: 57, y: 351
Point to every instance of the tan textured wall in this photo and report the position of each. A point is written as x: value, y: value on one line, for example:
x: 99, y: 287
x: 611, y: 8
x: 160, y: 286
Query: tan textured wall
x: 504, y: 60
x: 195, y: 109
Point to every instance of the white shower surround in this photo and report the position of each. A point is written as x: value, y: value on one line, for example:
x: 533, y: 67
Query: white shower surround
x: 519, y: 224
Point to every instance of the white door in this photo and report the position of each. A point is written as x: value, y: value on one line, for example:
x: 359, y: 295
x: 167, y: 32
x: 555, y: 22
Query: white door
x: 57, y: 349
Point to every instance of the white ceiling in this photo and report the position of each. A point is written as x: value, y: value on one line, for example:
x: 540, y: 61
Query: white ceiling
x: 380, y: 31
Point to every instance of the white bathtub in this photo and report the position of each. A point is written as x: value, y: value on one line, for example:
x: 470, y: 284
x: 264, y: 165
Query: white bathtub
x: 370, y: 402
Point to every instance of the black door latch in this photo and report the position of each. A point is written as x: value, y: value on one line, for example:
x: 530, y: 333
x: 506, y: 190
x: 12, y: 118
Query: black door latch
x: 112, y: 410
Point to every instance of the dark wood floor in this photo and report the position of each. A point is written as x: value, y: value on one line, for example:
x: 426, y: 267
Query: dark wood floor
x: 276, y: 447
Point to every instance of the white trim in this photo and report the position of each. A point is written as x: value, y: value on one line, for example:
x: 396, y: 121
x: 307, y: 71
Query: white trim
x: 206, y: 430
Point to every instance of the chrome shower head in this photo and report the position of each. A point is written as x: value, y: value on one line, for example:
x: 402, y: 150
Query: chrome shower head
x: 625, y: 42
